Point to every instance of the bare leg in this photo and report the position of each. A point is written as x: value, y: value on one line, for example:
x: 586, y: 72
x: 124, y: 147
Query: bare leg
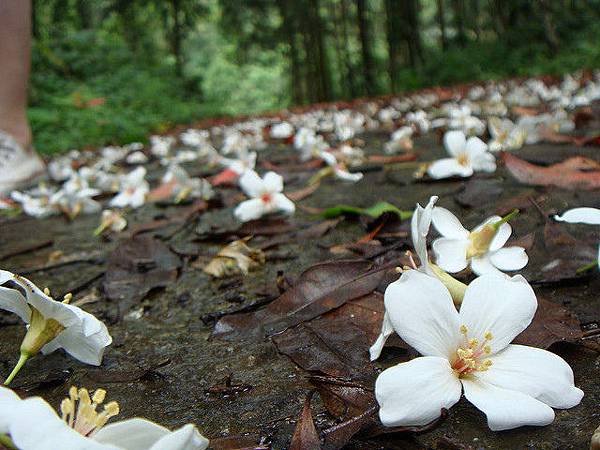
x: 15, y: 48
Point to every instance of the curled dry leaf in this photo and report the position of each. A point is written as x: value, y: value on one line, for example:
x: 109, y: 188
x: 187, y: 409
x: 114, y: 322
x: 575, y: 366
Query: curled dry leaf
x: 237, y: 257
x: 306, y: 435
x: 573, y: 173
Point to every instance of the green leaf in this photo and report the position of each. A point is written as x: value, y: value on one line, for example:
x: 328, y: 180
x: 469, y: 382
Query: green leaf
x: 374, y: 211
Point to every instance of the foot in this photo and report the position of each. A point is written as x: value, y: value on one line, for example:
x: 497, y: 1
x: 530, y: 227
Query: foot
x: 19, y: 167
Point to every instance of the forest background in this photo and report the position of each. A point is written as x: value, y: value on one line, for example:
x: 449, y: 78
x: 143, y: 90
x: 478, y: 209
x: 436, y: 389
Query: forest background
x: 115, y: 71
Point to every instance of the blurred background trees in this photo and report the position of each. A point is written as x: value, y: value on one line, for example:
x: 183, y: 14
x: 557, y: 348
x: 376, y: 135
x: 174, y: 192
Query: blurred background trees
x: 117, y: 70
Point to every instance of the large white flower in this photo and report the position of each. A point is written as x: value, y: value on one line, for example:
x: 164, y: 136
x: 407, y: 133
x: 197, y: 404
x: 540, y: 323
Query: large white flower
x: 470, y: 351
x: 133, y: 190
x: 419, y: 225
x: 266, y: 196
x: 32, y: 424
x: 483, y: 247
x: 467, y: 156
x: 52, y: 324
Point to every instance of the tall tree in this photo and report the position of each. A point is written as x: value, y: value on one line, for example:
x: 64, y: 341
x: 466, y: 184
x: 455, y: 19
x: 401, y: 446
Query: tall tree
x: 458, y: 7
x: 394, y: 41
x: 365, y: 46
x: 441, y: 20
x: 289, y: 30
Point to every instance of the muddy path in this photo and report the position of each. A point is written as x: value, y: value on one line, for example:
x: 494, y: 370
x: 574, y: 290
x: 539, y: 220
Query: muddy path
x: 164, y: 365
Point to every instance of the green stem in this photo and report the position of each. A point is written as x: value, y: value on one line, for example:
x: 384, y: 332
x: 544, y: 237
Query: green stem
x: 98, y: 231
x: 587, y: 267
x: 320, y: 175
x: 506, y: 218
x: 22, y: 359
x: 6, y: 441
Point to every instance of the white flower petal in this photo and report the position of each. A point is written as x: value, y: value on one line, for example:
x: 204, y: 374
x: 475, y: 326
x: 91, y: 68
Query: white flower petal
x: 413, y: 393
x: 273, y: 182
x: 422, y: 313
x: 142, y: 434
x: 482, y: 265
x: 419, y: 226
x: 484, y: 163
x: 535, y: 372
x: 250, y: 210
x: 455, y: 142
x: 504, y: 408
x: 590, y: 216
x: 501, y: 305
x: 447, y: 224
x: 185, y: 438
x: 475, y: 147
x: 509, y: 258
x: 283, y: 204
x: 13, y: 301
x: 386, y: 331
x: 451, y: 254
x: 84, y: 346
x: 448, y: 167
x: 7, y: 398
x: 49, y: 308
x: 36, y: 426
x: 251, y: 183
x: 501, y: 236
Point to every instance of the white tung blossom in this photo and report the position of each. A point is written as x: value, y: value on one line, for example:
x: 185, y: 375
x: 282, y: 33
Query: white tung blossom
x: 266, y: 196
x: 483, y: 248
x: 467, y: 156
x: 470, y: 352
x: 52, y: 324
x: 32, y: 424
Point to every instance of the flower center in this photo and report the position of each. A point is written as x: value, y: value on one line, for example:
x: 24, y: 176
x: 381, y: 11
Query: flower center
x: 266, y: 197
x: 480, y: 241
x: 463, y: 159
x: 79, y: 411
x: 471, y: 356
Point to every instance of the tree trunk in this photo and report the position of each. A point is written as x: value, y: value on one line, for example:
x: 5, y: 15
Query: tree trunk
x: 550, y: 34
x: 345, y: 39
x: 441, y: 19
x: 365, y: 44
x: 413, y: 38
x: 394, y: 41
x: 459, y: 22
x: 289, y: 31
x: 85, y: 14
x: 176, y: 36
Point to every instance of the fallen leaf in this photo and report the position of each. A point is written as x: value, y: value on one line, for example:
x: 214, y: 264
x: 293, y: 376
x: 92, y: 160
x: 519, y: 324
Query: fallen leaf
x: 301, y: 194
x: 321, y: 288
x: 236, y: 257
x: 552, y: 323
x: 135, y: 267
x: 306, y: 435
x: 337, y: 343
x: 374, y: 211
x: 479, y: 192
x: 574, y: 173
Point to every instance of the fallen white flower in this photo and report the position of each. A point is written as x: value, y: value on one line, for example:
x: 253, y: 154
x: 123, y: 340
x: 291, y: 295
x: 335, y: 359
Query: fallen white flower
x: 52, y: 324
x: 483, y: 247
x: 467, y: 157
x: 266, y: 196
x: 470, y: 352
x: 32, y: 424
x: 133, y: 190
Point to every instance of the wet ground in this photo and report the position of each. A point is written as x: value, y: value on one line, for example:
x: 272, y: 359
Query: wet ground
x: 164, y: 365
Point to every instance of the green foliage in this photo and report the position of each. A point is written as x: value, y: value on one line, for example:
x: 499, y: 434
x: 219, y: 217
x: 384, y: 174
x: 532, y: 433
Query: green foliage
x: 115, y: 71
x: 374, y: 211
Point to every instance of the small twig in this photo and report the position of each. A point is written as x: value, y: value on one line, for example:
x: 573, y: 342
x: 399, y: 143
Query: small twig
x: 27, y: 249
